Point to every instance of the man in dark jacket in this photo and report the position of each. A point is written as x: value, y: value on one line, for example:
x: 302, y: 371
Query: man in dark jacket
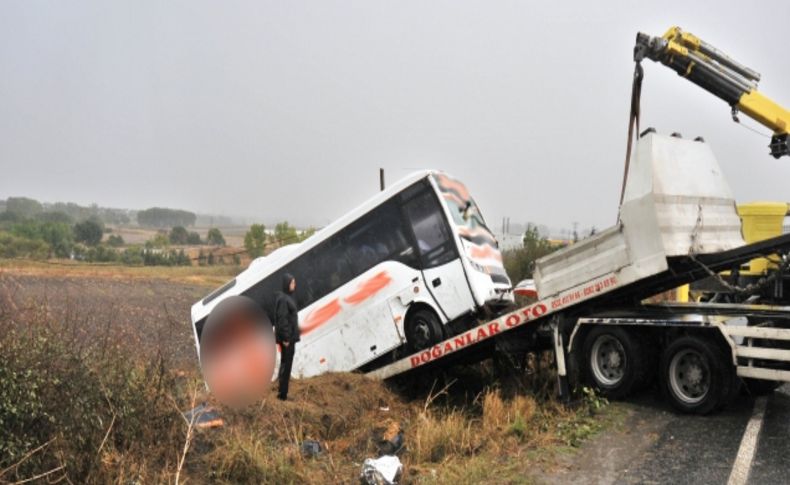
x: 286, y: 331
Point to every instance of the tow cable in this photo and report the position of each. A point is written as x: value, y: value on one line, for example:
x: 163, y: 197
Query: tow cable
x: 633, y: 122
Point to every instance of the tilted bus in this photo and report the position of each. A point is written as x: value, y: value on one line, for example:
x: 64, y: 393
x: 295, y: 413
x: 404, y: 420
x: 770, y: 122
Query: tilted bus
x: 409, y: 267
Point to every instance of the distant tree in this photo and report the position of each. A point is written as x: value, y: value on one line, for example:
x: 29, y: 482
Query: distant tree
x: 194, y: 238
x: 210, y: 259
x: 161, y: 217
x: 115, y: 240
x: 215, y: 237
x: 179, y: 235
x: 23, y: 206
x: 59, y: 236
x: 306, y: 233
x: 101, y: 254
x: 284, y: 233
x: 160, y: 240
x: 133, y: 256
x: 255, y: 240
x: 182, y: 259
x: 7, y: 217
x: 21, y: 247
x: 236, y: 259
x: 54, y: 216
x: 89, y: 232
x: 520, y: 263
x: 201, y: 258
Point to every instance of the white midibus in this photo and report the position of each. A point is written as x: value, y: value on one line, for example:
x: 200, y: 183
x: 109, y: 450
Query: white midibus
x: 411, y: 266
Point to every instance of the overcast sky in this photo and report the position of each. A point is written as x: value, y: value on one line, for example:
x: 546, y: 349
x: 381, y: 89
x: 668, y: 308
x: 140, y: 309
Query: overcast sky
x: 286, y: 110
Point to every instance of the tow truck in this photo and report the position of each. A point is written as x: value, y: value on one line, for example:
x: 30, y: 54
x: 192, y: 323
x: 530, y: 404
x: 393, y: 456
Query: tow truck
x: 677, y: 224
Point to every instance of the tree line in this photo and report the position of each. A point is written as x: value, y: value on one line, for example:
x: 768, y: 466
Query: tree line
x: 26, y: 208
x: 257, y: 239
x: 47, y: 235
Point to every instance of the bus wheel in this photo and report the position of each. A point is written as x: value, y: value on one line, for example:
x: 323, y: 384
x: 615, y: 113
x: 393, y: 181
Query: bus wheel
x: 696, y: 376
x: 613, y: 361
x: 423, y: 330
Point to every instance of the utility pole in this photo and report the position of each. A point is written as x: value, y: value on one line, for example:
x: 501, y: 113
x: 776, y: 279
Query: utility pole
x: 381, y: 179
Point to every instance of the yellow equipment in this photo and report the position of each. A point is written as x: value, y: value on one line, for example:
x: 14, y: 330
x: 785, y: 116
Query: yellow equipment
x: 719, y: 74
x: 767, y: 276
x: 760, y: 221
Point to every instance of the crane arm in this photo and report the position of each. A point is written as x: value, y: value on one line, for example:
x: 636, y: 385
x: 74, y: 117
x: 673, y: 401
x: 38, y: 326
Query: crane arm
x: 719, y: 74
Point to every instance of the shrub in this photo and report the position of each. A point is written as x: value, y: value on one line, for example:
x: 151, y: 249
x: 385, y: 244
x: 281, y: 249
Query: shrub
x: 69, y: 394
x: 520, y: 263
x: 179, y: 235
x: 215, y: 237
x: 193, y: 238
x: 20, y: 247
x: 132, y: 256
x: 57, y: 235
x: 160, y: 240
x: 115, y: 240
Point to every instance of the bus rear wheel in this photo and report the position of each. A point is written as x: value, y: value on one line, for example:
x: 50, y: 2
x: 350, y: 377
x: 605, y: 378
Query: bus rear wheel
x: 423, y: 330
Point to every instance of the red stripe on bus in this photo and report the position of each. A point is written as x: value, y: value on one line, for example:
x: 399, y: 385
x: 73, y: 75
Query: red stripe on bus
x: 369, y: 288
x: 485, y: 252
x: 447, y: 183
x: 319, y: 316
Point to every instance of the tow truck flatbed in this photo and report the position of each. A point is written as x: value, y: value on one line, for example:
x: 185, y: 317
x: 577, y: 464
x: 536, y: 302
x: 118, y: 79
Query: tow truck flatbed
x: 670, y: 233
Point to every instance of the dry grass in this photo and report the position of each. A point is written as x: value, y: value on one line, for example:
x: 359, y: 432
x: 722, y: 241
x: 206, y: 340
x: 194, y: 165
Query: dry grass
x: 208, y: 276
x: 104, y: 409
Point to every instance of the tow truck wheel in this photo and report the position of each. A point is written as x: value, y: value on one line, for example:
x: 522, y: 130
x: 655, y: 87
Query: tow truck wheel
x: 613, y: 361
x: 423, y: 330
x: 696, y: 376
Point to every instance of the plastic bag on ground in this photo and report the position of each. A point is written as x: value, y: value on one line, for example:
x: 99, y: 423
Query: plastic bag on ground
x: 385, y: 470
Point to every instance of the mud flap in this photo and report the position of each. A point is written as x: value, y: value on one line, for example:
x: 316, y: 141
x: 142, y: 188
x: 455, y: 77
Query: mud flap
x: 563, y: 384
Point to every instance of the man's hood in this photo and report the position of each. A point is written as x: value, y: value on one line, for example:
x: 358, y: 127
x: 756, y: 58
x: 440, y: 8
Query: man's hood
x: 287, y: 278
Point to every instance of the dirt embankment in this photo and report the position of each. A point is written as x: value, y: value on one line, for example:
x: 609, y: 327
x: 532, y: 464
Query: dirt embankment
x: 122, y: 349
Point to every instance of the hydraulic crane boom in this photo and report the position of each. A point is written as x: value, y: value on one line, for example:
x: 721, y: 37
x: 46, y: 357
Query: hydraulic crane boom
x: 719, y: 74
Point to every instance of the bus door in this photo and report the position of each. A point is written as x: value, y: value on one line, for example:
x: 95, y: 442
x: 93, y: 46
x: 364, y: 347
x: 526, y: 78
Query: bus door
x: 442, y: 268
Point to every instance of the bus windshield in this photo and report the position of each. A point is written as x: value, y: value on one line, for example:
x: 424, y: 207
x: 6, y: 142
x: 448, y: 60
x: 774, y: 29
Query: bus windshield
x: 465, y: 213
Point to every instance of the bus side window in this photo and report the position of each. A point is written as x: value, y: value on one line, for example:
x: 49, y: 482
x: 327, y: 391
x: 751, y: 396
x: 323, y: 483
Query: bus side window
x: 329, y: 268
x: 301, y: 269
x: 430, y: 230
x: 378, y: 237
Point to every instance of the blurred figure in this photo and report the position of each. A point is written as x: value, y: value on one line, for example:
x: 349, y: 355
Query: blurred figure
x: 286, y: 331
x: 237, y: 352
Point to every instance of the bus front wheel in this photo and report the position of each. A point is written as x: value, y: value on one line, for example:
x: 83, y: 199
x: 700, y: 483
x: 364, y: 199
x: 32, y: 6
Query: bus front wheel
x: 423, y: 329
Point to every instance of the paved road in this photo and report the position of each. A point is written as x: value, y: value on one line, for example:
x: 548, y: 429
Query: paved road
x: 772, y: 459
x: 655, y: 445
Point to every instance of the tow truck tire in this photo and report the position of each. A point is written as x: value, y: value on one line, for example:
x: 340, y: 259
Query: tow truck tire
x: 696, y: 375
x: 423, y: 330
x: 614, y: 361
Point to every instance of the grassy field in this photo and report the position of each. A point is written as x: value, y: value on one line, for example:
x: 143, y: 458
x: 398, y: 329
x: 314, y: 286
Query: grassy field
x: 97, y: 363
x: 234, y: 235
x: 206, y: 276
